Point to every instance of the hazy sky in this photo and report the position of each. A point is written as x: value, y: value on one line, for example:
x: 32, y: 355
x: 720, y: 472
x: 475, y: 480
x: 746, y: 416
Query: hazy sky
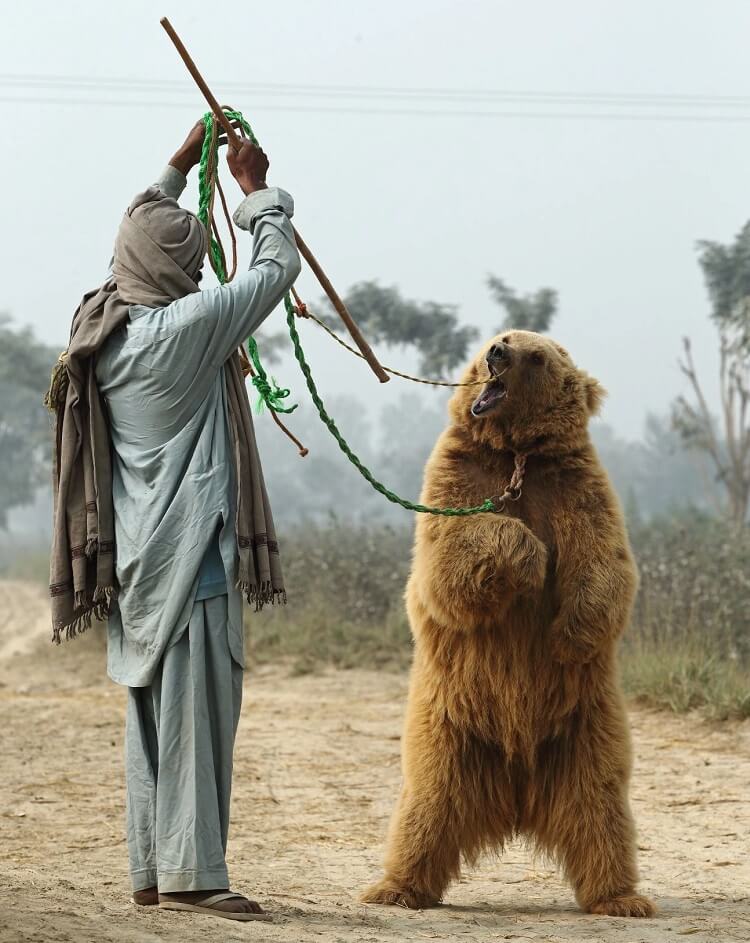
x: 606, y: 211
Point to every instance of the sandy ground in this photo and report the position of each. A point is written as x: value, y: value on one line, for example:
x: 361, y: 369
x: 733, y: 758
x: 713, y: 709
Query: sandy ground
x: 317, y: 770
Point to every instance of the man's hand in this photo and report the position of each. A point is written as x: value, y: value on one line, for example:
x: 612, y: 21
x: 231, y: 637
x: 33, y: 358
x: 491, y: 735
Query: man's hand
x: 249, y: 166
x: 189, y: 153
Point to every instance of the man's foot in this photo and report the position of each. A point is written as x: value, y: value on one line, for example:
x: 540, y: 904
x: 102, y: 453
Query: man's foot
x: 219, y: 903
x: 148, y: 897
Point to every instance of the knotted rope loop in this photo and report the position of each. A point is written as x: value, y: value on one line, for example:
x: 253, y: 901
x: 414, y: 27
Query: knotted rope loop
x: 301, y: 306
x: 269, y: 391
x: 515, y: 489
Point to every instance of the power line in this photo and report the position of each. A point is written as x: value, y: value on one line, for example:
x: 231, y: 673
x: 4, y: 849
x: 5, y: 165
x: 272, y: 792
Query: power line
x: 681, y: 118
x: 620, y: 99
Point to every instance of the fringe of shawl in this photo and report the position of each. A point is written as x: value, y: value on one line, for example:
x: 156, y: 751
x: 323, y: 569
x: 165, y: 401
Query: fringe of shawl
x: 262, y: 595
x: 87, y: 608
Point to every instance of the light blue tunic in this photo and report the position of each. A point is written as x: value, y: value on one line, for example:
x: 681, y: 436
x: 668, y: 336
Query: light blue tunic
x: 162, y: 377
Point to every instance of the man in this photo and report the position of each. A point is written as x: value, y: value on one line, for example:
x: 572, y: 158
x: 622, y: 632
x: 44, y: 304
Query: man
x: 166, y: 539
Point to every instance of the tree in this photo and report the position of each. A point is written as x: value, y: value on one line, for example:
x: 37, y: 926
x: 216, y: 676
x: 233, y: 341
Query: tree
x: 386, y: 317
x: 25, y: 439
x: 726, y: 440
x: 272, y: 346
x: 533, y: 312
x: 656, y: 473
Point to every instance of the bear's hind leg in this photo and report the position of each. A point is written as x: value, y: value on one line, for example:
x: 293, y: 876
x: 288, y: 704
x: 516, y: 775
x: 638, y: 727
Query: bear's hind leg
x: 588, y: 825
x: 441, y: 814
x: 423, y: 852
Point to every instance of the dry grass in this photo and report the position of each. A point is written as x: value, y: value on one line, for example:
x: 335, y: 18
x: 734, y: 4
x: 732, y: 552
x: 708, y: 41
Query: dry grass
x: 685, y: 677
x: 688, y: 647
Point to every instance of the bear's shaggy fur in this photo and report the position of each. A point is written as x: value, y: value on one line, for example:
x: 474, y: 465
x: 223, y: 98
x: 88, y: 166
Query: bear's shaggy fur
x: 515, y: 722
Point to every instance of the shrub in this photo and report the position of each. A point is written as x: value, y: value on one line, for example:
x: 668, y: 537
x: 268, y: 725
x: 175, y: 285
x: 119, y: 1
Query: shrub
x: 345, y: 608
x: 695, y: 584
x: 688, y: 646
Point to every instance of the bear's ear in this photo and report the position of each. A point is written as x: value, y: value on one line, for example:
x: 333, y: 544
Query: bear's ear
x: 595, y: 394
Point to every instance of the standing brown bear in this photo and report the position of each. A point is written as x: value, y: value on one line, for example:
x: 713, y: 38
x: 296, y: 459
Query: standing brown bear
x: 515, y: 724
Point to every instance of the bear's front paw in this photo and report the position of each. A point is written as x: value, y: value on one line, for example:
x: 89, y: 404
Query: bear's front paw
x: 529, y: 562
x: 567, y: 649
x: 397, y: 895
x: 513, y: 560
x: 627, y: 905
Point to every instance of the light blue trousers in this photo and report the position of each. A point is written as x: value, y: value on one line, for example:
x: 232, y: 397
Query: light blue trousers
x: 179, y: 739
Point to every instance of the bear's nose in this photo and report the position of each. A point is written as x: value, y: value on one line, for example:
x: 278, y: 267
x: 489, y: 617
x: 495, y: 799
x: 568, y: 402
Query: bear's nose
x: 498, y: 351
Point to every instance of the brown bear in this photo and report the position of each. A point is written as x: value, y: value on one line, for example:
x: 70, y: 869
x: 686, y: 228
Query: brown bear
x: 515, y: 723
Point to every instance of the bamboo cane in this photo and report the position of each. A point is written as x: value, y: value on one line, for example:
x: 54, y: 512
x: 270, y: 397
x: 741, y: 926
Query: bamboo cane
x: 235, y: 141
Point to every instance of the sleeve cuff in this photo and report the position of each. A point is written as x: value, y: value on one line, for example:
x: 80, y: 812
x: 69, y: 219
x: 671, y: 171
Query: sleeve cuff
x: 272, y: 198
x: 172, y: 182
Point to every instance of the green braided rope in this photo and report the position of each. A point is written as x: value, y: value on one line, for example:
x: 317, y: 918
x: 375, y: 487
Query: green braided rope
x: 269, y: 393
x: 204, y: 183
x: 485, y: 507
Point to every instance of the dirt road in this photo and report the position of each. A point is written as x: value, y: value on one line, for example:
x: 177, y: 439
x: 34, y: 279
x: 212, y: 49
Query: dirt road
x: 316, y: 773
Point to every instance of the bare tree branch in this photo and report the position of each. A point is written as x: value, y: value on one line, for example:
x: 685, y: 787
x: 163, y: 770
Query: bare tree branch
x: 706, y: 422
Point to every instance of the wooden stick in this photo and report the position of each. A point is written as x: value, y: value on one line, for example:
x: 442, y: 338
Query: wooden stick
x: 235, y: 141
x: 338, y: 304
x: 232, y: 137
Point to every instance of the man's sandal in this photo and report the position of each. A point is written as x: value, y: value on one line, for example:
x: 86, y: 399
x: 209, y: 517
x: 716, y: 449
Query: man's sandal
x: 206, y: 906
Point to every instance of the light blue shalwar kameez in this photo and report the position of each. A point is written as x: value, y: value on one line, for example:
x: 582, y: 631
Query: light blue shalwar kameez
x: 175, y: 637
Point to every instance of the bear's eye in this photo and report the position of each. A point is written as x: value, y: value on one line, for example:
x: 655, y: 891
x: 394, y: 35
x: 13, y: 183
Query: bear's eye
x: 506, y: 339
x: 537, y: 359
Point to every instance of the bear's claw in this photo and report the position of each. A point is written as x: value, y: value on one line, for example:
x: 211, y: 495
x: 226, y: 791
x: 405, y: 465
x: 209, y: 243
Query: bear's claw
x: 628, y: 905
x: 395, y: 895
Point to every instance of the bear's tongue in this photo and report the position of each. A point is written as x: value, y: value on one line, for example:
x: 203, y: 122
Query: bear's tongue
x: 491, y: 394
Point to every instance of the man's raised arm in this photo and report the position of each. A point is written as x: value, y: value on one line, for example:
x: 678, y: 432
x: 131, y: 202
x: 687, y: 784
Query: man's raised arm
x: 237, y: 309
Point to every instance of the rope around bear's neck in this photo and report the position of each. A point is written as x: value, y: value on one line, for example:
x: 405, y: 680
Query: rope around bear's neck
x: 271, y: 395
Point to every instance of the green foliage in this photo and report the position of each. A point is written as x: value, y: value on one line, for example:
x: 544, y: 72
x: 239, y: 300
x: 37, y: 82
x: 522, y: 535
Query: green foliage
x: 533, y: 312
x: 726, y: 270
x: 25, y: 367
x: 385, y: 317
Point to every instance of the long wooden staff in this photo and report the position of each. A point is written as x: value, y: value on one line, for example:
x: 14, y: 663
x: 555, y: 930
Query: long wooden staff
x: 234, y: 141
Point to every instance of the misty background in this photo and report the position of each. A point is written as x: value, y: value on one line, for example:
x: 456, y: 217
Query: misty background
x: 584, y: 147
x: 456, y: 168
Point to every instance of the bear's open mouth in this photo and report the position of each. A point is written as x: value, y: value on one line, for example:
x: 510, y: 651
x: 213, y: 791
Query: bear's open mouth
x: 490, y: 396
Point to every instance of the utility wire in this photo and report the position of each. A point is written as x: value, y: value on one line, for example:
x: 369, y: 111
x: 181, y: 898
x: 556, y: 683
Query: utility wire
x: 651, y: 99
x: 681, y: 118
x: 406, y: 101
